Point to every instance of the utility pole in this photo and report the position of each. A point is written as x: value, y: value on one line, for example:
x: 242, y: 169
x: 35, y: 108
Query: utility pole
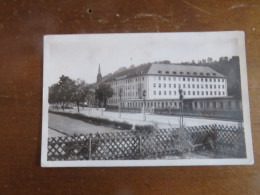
x: 120, y: 103
x: 181, y: 108
x: 144, y: 96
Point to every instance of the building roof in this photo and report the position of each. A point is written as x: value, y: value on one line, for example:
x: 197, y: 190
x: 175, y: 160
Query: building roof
x: 132, y: 72
x: 183, y: 70
x: 164, y: 69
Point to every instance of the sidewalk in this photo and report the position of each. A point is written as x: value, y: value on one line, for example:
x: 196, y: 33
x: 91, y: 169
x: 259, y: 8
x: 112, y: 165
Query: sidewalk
x: 163, y: 121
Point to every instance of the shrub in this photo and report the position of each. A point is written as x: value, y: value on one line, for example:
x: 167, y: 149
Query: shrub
x: 145, y: 129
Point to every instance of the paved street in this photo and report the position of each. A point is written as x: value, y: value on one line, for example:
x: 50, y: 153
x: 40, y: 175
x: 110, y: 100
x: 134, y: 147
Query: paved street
x: 162, y: 120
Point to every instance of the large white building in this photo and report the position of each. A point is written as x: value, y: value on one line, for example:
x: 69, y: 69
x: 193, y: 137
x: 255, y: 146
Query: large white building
x: 161, y: 83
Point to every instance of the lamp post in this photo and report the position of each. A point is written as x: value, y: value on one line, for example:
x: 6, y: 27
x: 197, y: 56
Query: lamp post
x: 181, y: 108
x: 144, y: 96
x: 120, y: 97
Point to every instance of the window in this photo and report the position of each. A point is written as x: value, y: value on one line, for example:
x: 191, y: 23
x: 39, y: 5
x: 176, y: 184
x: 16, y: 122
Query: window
x: 198, y: 86
x: 164, y: 85
x: 221, y: 105
x: 210, y: 86
x: 211, y: 93
x: 170, y: 92
x: 159, y: 78
x: 154, y: 92
x: 167, y: 72
x: 209, y: 80
x: 207, y: 93
x: 201, y: 79
x: 208, y: 74
x: 174, y: 85
x: 164, y: 92
x: 154, y: 85
x: 183, y: 79
x: 188, y: 92
x: 219, y: 93
x: 183, y: 85
x: 188, y: 73
x: 160, y: 72
x: 193, y: 86
x: 201, y: 86
x: 222, y: 80
x: 160, y: 93
x: 198, y: 93
x: 192, y: 79
x: 206, y: 86
x: 223, y: 86
x: 214, y: 74
x: 174, y: 92
x: 169, y: 78
x: 201, y: 74
x: 164, y: 78
x: 179, y: 78
x: 184, y: 92
x: 223, y: 93
x: 170, y: 85
x: 194, y: 73
x: 160, y: 85
x: 174, y: 72
x: 202, y: 93
x: 179, y: 85
x: 197, y: 79
x: 188, y: 85
x: 214, y: 86
x: 206, y: 79
x: 188, y: 79
x: 215, y: 93
x: 219, y: 86
x: 193, y: 93
x: 181, y: 72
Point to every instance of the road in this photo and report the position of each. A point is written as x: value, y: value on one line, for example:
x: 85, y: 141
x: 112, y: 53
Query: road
x: 162, y: 120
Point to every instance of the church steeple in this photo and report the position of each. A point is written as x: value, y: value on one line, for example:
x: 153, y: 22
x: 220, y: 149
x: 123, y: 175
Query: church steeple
x: 99, y: 76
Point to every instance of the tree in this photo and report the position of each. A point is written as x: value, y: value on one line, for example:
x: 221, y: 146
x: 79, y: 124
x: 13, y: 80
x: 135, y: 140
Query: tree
x: 82, y: 92
x: 66, y: 90
x: 54, y: 94
x: 104, y: 92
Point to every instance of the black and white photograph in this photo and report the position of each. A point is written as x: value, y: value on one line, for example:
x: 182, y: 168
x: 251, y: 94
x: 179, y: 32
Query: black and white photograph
x: 145, y: 99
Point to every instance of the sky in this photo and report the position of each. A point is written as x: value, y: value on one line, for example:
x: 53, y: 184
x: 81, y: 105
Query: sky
x: 78, y: 56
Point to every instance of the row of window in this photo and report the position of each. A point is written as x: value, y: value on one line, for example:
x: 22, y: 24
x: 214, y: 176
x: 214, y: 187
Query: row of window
x: 190, y: 93
x: 189, y: 86
x: 190, y: 79
x: 188, y: 73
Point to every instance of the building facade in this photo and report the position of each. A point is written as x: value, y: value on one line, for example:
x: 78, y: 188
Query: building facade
x: 161, y: 83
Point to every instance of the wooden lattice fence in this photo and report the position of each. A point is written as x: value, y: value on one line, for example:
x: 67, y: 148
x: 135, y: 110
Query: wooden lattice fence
x: 222, y: 141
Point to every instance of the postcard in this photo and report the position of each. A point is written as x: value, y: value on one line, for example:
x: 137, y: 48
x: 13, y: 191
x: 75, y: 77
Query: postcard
x: 145, y: 99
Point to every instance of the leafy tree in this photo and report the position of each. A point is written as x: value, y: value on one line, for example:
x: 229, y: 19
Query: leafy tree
x: 66, y: 90
x: 82, y: 92
x: 104, y: 92
x: 54, y: 94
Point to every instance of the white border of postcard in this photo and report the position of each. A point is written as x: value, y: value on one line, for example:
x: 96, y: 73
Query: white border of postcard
x: 130, y: 163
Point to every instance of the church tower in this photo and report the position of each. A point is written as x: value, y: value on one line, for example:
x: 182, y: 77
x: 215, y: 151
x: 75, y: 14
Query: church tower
x: 99, y: 76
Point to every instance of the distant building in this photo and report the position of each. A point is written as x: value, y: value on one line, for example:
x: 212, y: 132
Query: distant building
x: 162, y: 83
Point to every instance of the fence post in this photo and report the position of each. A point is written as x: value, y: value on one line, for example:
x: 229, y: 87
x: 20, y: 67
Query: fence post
x: 89, y: 148
x: 140, y: 145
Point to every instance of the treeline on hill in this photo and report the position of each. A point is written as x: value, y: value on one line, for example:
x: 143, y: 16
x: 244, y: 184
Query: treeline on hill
x: 228, y: 67
x: 78, y: 92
